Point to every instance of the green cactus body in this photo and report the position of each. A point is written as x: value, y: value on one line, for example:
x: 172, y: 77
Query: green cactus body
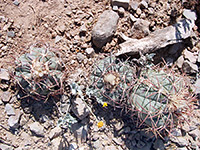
x: 39, y: 73
x: 157, y: 96
x: 111, y: 80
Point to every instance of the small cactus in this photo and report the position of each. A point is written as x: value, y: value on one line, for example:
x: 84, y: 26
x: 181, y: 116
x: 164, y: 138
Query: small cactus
x: 39, y: 73
x: 111, y: 79
x: 160, y: 99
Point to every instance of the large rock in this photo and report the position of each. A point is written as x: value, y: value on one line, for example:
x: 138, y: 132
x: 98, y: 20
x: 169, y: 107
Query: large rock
x: 158, y: 39
x: 104, y: 28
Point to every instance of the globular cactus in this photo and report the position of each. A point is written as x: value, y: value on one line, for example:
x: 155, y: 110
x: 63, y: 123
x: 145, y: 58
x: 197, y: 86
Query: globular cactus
x: 110, y: 81
x: 39, y: 73
x: 161, y: 99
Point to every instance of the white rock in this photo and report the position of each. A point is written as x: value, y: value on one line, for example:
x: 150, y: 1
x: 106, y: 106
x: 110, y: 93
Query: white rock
x: 55, y: 132
x: 9, y: 109
x: 4, y: 75
x: 37, y: 129
x: 180, y: 61
x: 79, y: 108
x: 189, y: 14
x: 13, y: 122
x: 57, y: 144
x: 58, y: 39
x: 190, y: 56
x: 90, y: 52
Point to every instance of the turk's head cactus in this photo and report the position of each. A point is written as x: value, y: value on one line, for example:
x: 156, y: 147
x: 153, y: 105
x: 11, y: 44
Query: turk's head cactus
x: 111, y: 79
x: 161, y: 99
x: 39, y: 73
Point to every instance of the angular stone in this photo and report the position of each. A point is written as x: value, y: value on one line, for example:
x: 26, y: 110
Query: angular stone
x: 104, y: 28
x: 58, y: 39
x: 189, y: 14
x: 73, y: 146
x: 121, y: 3
x: 79, y: 108
x: 5, y: 147
x: 4, y: 75
x: 197, y: 86
x: 6, y: 96
x: 9, y: 110
x: 143, y: 4
x: 55, y: 132
x: 13, y: 122
x: 189, y: 67
x: 58, y: 144
x: 90, y: 52
x: 180, y: 61
x: 180, y: 141
x: 11, y: 34
x: 37, y: 129
x: 142, y: 26
x: 190, y: 56
x: 195, y: 133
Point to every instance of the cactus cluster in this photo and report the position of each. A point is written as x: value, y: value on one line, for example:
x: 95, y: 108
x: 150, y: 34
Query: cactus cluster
x: 161, y: 98
x: 39, y: 73
x: 110, y: 81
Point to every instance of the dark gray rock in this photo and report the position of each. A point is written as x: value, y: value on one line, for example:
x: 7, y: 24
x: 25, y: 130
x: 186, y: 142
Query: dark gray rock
x: 159, y: 145
x: 189, y: 67
x: 121, y: 3
x: 104, y: 28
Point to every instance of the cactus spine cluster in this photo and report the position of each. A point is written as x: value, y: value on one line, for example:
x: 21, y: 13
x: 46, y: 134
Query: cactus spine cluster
x: 161, y: 99
x: 111, y: 79
x: 39, y: 73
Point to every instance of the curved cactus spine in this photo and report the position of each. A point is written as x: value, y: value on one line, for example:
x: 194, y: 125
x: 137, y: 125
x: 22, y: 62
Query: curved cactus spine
x: 39, y: 73
x: 160, y: 99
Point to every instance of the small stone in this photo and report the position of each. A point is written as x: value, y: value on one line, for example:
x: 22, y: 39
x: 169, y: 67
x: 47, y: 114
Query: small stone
x: 132, y: 18
x: 176, y: 132
x: 98, y: 145
x: 68, y: 12
x: 6, y: 96
x: 58, y: 144
x: 134, y: 5
x: 4, y: 48
x: 37, y: 129
x: 190, y: 56
x: 79, y: 108
x: 142, y: 26
x: 150, y: 11
x: 83, y: 30
x: 13, y: 122
x: 16, y: 3
x: 180, y: 141
x: 121, y: 11
x: 58, y: 39
x: 115, y: 8
x: 121, y: 3
x: 180, y: 61
x: 189, y: 14
x: 138, y: 11
x: 80, y: 131
x: 189, y: 67
x: 80, y: 57
x: 90, y: 52
x: 55, y: 133
x: 11, y: 34
x: 143, y: 4
x: 4, y: 75
x: 9, y: 110
x: 197, y: 86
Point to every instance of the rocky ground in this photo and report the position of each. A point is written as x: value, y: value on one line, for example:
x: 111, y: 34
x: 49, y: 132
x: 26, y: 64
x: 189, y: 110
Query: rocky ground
x: 73, y: 28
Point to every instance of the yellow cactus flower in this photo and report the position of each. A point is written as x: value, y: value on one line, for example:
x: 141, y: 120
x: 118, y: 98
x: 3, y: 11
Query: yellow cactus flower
x: 100, y: 124
x: 105, y: 104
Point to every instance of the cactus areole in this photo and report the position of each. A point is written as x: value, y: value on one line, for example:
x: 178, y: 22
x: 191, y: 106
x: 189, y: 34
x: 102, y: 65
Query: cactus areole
x: 39, y: 73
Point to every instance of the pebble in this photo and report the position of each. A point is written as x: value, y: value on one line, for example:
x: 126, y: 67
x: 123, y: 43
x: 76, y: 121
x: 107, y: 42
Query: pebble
x: 13, y: 122
x: 5, y: 147
x: 58, y: 39
x: 115, y: 8
x: 180, y: 61
x: 189, y: 67
x: 121, y: 11
x: 143, y: 4
x: 55, y: 133
x: 90, y: 52
x: 37, y: 129
x: 4, y: 75
x: 190, y: 56
x: 16, y: 2
x: 6, y: 96
x: 73, y: 146
x: 9, y: 109
x: 11, y: 34
x: 80, y: 57
x: 134, y: 5
x: 138, y: 11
